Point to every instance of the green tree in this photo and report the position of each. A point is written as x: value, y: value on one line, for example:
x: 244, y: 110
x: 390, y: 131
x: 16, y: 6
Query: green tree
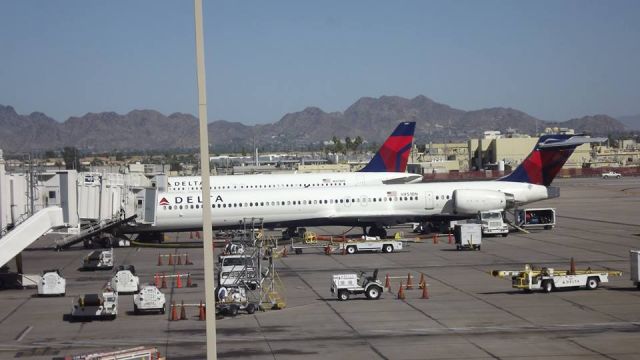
x: 71, y: 158
x: 357, y: 142
x: 337, y: 145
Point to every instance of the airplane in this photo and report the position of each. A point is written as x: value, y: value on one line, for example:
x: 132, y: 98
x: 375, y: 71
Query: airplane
x: 377, y: 205
x: 388, y: 165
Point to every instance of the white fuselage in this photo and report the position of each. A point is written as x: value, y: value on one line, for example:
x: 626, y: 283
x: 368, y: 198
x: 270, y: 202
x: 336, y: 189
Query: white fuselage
x: 361, y: 205
x: 289, y: 181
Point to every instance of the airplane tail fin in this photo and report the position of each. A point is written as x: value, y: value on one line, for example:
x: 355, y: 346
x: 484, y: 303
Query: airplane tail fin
x: 547, y: 158
x: 394, y: 153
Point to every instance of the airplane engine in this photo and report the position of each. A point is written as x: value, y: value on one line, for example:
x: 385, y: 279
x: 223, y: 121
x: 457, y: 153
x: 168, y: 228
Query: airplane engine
x: 470, y: 202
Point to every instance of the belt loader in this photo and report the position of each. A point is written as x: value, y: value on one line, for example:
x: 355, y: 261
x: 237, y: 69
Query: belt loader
x: 549, y: 279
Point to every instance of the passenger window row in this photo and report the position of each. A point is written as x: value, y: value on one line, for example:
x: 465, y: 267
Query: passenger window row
x: 259, y: 186
x: 294, y: 202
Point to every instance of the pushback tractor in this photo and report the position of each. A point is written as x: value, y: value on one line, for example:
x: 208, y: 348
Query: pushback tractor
x: 345, y: 285
x: 51, y: 283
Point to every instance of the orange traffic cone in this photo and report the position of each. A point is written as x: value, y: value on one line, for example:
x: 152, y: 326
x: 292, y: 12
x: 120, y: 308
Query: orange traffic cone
x: 183, y: 311
x: 170, y: 259
x: 425, y: 292
x: 421, y: 283
x: 202, y: 315
x: 187, y: 261
x: 179, y: 259
x: 401, y: 292
x: 387, y: 283
x: 409, y: 282
x: 284, y: 252
x: 178, y: 281
x: 572, y: 267
x: 189, y: 283
x: 450, y: 238
x: 159, y: 260
x: 435, y: 239
x: 164, y: 282
x: 174, y: 313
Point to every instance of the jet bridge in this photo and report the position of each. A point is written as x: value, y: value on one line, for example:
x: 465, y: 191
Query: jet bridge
x: 29, y: 231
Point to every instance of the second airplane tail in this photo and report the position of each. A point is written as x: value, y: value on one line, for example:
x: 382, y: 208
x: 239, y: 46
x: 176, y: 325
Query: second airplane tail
x: 547, y: 158
x: 394, y: 153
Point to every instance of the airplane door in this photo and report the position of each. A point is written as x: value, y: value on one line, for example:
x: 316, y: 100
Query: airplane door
x: 428, y: 198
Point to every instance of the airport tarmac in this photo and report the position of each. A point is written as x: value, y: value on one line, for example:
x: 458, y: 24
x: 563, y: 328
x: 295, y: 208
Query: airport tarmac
x: 469, y: 314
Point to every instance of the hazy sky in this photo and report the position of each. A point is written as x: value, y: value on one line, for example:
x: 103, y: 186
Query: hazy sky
x: 555, y: 59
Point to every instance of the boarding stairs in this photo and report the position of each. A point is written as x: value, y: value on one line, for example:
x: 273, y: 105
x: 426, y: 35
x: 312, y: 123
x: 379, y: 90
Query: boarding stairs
x: 28, y: 231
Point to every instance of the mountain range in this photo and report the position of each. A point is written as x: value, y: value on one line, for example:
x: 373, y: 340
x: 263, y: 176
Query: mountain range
x: 370, y: 118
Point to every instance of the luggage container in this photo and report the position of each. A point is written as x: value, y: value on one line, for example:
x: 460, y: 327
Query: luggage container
x: 468, y: 236
x: 542, y: 218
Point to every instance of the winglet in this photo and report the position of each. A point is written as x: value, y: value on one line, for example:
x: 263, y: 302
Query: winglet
x: 547, y: 158
x: 394, y: 153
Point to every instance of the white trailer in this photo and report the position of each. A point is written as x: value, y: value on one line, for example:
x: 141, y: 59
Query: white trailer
x: 548, y: 279
x: 635, y: 267
x: 125, y: 280
x: 149, y: 299
x: 52, y: 283
x: 104, y: 305
x: 98, y: 260
x: 386, y: 246
x: 468, y: 236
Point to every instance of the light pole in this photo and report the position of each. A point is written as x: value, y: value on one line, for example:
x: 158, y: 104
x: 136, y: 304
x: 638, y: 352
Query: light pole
x: 207, y: 233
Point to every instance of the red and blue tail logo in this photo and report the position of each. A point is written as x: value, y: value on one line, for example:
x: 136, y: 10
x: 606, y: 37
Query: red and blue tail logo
x: 394, y: 153
x: 547, y: 158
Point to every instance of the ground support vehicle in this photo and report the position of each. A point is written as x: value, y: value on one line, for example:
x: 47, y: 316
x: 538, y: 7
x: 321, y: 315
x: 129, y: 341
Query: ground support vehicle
x: 536, y: 218
x: 237, y: 270
x: 125, y: 280
x: 98, y: 260
x: 387, y: 246
x: 101, y: 306
x: 344, y: 285
x: 231, y: 300
x: 548, y: 279
x: 136, y: 353
x: 468, y: 236
x: 149, y: 299
x: 611, y: 174
x: 492, y: 223
x: 52, y: 283
x: 635, y: 267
